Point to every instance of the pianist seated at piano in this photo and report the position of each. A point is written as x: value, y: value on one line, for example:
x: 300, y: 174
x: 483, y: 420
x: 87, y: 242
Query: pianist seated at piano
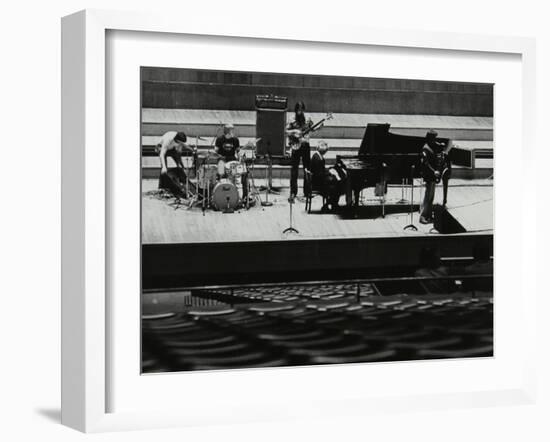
x: 330, y: 182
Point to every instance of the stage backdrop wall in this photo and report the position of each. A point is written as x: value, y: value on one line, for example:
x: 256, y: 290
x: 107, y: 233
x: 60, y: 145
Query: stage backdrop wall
x: 191, y: 89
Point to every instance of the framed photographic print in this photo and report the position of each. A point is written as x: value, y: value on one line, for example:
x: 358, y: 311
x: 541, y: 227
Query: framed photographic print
x: 275, y: 239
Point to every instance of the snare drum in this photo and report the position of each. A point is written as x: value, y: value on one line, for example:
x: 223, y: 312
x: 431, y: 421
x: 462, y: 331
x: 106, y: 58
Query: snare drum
x: 225, y: 196
x: 234, y: 171
x: 240, y: 169
x: 231, y: 168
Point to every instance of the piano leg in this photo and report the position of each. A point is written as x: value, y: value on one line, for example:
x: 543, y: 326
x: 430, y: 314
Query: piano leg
x: 348, y: 192
x: 352, y: 201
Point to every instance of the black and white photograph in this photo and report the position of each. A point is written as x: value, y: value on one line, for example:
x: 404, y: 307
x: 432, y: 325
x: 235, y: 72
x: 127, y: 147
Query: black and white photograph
x: 248, y: 221
x: 293, y: 219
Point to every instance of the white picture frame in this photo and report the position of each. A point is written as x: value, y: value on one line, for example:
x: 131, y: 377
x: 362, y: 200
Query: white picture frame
x: 85, y: 261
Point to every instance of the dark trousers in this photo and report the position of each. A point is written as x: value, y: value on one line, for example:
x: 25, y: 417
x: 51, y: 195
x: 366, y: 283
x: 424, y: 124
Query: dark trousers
x: 302, y: 153
x: 427, y: 204
x: 174, y: 181
x: 332, y: 188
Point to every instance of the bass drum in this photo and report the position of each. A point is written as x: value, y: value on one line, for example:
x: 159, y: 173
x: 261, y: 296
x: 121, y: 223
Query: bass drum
x: 225, y: 196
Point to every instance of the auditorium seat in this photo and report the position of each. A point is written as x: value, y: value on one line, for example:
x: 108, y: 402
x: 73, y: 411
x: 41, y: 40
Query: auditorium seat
x: 317, y: 329
x: 212, y: 311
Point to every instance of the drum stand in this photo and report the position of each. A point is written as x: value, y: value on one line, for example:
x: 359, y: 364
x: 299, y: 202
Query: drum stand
x: 199, y: 198
x: 403, y: 200
x: 267, y: 186
x: 189, y: 195
x: 290, y: 229
x: 252, y: 189
x: 228, y: 209
x: 411, y: 226
x: 269, y: 182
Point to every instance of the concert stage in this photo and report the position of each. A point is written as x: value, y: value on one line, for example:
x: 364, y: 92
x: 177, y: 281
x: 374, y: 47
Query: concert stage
x: 188, y: 247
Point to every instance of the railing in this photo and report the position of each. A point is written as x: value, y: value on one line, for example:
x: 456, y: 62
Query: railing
x: 467, y: 284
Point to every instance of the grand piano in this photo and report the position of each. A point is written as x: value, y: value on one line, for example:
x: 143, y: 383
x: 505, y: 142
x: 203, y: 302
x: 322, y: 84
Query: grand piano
x: 383, y: 158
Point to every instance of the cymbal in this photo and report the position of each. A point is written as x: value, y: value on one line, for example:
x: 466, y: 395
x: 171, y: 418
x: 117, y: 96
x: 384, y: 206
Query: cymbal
x: 251, y: 145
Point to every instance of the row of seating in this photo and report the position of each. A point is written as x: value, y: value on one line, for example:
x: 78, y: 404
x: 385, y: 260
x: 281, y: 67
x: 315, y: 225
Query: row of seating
x: 282, y: 293
x: 344, y: 132
x: 298, y: 325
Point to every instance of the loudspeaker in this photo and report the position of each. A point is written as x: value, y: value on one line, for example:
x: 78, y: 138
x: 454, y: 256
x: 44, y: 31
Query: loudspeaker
x: 444, y: 222
x: 270, y: 125
x: 270, y: 128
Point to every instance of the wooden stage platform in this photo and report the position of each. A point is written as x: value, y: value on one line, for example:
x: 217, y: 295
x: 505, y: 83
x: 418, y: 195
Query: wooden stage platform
x: 188, y: 248
x: 469, y: 202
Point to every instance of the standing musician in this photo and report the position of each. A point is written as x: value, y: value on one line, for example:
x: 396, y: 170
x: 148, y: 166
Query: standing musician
x: 299, y: 144
x: 330, y: 182
x: 435, y: 167
x: 173, y: 144
x: 228, y: 148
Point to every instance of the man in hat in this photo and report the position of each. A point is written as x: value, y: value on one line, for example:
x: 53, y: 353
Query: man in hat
x: 227, y: 144
x: 435, y: 167
x: 173, y: 144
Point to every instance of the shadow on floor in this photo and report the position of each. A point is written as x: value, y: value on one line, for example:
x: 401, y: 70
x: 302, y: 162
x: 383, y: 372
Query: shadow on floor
x: 51, y: 414
x: 371, y: 211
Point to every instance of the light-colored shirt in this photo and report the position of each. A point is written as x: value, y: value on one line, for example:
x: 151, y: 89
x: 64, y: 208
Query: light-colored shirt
x: 167, y: 141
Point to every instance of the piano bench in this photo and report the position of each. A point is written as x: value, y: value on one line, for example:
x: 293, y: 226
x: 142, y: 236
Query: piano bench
x: 312, y: 194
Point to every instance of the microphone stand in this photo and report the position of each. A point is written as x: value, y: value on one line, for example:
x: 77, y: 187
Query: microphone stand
x: 267, y: 203
x: 411, y: 226
x: 290, y: 229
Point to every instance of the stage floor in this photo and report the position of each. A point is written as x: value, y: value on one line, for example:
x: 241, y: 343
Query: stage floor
x: 469, y: 201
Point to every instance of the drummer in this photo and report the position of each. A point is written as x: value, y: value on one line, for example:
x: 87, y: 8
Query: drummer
x: 228, y: 147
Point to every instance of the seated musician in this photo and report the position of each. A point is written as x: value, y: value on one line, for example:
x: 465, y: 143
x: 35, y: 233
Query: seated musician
x: 173, y: 144
x: 228, y: 148
x: 435, y: 167
x: 330, y: 182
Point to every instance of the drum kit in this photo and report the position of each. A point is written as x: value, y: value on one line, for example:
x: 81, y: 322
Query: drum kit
x: 218, y: 182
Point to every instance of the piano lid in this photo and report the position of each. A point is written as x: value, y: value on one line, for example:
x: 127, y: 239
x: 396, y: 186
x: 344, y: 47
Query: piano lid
x: 379, y: 140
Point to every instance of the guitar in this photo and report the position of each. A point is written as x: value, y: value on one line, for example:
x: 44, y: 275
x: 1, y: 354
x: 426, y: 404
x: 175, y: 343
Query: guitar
x: 297, y: 136
x: 435, y: 165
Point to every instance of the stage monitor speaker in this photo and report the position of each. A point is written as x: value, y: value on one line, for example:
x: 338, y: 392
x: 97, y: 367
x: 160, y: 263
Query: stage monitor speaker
x: 270, y: 128
x: 444, y: 222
